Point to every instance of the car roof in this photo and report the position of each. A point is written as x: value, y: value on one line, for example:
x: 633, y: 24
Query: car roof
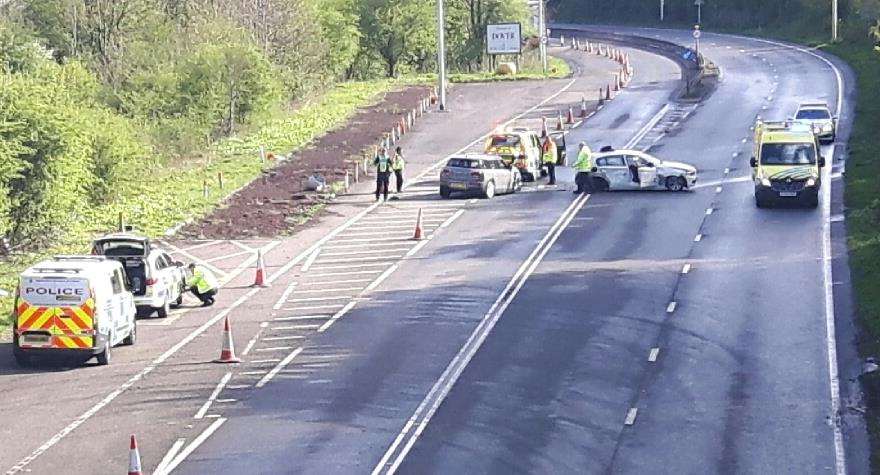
x: 475, y: 156
x: 813, y: 105
x: 68, y: 266
x: 619, y: 152
x: 788, y: 136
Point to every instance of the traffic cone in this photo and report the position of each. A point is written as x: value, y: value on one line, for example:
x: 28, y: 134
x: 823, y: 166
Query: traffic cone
x: 134, y: 458
x: 543, y: 127
x: 417, y: 235
x: 227, y: 348
x: 559, y: 125
x: 569, y: 119
x: 583, y: 107
x: 608, y: 92
x: 260, y: 277
x: 616, y: 83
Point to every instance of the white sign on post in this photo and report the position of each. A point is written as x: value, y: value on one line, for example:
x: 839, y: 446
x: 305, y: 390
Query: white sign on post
x: 504, y: 38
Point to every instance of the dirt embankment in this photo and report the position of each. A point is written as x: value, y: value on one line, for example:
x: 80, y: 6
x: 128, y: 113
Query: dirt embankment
x: 275, y: 203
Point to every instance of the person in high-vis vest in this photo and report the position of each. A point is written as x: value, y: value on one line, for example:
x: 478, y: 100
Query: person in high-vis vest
x: 397, y: 165
x: 203, y: 284
x: 549, y: 151
x: 383, y: 173
x: 584, y: 169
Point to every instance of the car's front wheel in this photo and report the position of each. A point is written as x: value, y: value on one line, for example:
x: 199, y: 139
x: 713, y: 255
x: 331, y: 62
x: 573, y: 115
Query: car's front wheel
x: 675, y: 183
x: 104, y: 356
x: 131, y: 339
x: 489, y: 191
x: 163, y: 311
x: 445, y: 192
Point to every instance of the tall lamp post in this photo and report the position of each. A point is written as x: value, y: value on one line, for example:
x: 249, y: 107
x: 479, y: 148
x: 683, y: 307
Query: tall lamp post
x: 834, y: 20
x: 542, y: 25
x: 441, y: 55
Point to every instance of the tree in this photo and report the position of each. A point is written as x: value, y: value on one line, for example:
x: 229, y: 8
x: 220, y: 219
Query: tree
x: 399, y: 31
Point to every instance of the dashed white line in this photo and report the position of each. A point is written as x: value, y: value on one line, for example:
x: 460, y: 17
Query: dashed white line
x: 300, y: 317
x: 331, y: 290
x: 284, y: 296
x: 671, y: 307
x: 698, y: 238
x: 452, y: 218
x: 709, y: 211
x: 320, y: 299
x: 191, y: 447
x: 335, y: 282
x: 284, y: 338
x: 312, y: 307
x: 207, y: 405
x: 686, y: 269
x: 631, y: 416
x: 652, y: 356
x: 268, y: 360
x: 359, y: 253
x: 311, y: 259
x: 253, y: 340
x: 273, y: 349
x: 274, y: 371
x: 359, y: 272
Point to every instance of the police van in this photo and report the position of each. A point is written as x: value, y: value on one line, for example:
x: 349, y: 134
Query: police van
x: 77, y: 306
x: 786, y: 164
x: 519, y: 147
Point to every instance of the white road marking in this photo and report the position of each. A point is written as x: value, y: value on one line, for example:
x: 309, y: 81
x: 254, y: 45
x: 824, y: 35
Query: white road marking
x: 428, y: 407
x: 652, y: 356
x: 273, y: 349
x: 191, y: 447
x: 335, y: 282
x: 301, y: 317
x: 256, y: 373
x: 363, y: 240
x: 207, y: 405
x: 380, y: 279
x: 311, y: 260
x: 243, y: 246
x: 418, y: 247
x: 718, y: 189
x: 631, y: 416
x: 311, y: 307
x: 281, y: 364
x: 698, y: 238
x: 686, y: 269
x: 361, y: 265
x: 452, y: 218
x: 319, y: 299
x: 360, y: 253
x: 267, y: 360
x: 253, y: 340
x: 169, y: 456
x: 355, y: 260
x: 337, y: 316
x: 192, y: 257
x: 284, y: 296
x: 285, y: 338
x: 330, y: 290
x: 671, y: 307
x: 335, y: 247
x: 228, y: 256
x: 709, y: 211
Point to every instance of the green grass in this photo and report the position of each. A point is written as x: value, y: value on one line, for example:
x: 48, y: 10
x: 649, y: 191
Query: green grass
x: 174, y: 191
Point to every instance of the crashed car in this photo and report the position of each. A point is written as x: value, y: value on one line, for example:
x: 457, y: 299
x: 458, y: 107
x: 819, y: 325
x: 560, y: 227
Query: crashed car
x: 635, y: 170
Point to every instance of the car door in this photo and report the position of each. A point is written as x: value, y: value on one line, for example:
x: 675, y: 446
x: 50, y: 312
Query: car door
x: 616, y: 172
x: 118, y: 305
x: 174, y: 276
x: 647, y: 173
x: 502, y: 175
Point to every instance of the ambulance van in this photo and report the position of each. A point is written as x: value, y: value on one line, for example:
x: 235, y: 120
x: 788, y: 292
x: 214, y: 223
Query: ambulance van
x: 77, y: 306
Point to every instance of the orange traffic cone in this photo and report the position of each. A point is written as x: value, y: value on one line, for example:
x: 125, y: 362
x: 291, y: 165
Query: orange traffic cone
x: 134, y: 458
x: 543, y: 127
x: 227, y: 349
x: 260, y: 277
x: 601, y: 97
x: 569, y: 119
x: 583, y: 107
x: 616, y: 83
x: 559, y: 125
x: 418, y: 235
x: 608, y: 92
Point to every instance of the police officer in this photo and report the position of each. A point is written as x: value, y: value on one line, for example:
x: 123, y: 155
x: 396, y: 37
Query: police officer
x: 383, y: 173
x: 203, y: 284
x: 549, y: 158
x: 397, y: 165
x: 584, y: 169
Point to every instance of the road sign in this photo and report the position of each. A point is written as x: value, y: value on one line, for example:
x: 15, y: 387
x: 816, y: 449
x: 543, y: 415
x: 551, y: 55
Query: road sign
x: 699, y: 2
x: 697, y: 34
x: 504, y: 38
x: 544, y: 40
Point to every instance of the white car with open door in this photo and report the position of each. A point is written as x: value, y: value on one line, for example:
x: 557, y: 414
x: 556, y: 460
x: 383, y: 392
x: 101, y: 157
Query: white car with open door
x: 635, y: 170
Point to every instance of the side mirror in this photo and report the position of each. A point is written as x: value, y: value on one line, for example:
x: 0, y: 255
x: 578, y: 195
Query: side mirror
x: 594, y: 170
x: 178, y: 264
x: 753, y: 162
x: 821, y: 161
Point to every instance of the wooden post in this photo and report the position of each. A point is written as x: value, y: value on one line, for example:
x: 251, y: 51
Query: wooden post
x: 220, y: 179
x: 205, y: 188
x: 121, y: 223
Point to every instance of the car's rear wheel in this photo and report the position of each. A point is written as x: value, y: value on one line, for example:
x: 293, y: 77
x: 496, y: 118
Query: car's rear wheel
x: 179, y: 301
x: 131, y: 339
x: 599, y: 184
x: 103, y: 357
x: 517, y: 183
x: 760, y: 202
x: 489, y: 191
x: 445, y: 193
x: 162, y: 312
x: 675, y: 183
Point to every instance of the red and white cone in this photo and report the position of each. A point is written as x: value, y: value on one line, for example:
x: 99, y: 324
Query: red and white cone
x: 260, y: 277
x: 134, y: 458
x: 227, y: 349
x: 616, y: 83
x: 608, y: 92
x: 418, y: 235
x: 559, y: 125
x: 569, y: 119
x: 543, y: 127
x: 583, y: 107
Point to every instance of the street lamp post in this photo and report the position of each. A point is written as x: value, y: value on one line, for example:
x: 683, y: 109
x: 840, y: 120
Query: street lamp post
x: 542, y: 25
x: 662, y: 9
x: 834, y: 20
x: 441, y: 55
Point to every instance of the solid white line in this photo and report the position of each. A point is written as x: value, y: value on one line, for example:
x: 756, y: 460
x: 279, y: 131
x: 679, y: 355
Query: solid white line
x: 671, y: 307
x: 718, y: 189
x: 321, y: 291
x: 652, y: 356
x: 253, y: 340
x: 335, y: 282
x: 311, y: 307
x: 709, y: 211
x: 274, y: 348
x: 337, y: 316
x: 647, y: 128
x: 452, y: 218
x: 686, y: 269
x: 360, y: 253
x: 191, y: 447
x: 355, y: 260
x: 204, y: 409
x: 380, y: 279
x: 698, y: 238
x: 320, y: 299
x: 268, y: 360
x: 228, y: 256
x: 169, y: 456
x: 428, y: 407
x: 374, y: 264
x: 271, y: 374
x: 250, y: 261
x: 192, y: 257
x: 365, y: 244
x: 418, y: 247
x: 284, y: 338
x: 631, y: 416
x: 284, y: 296
x: 311, y: 260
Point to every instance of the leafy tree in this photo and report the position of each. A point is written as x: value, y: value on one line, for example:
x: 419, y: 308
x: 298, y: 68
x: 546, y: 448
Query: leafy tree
x: 399, y: 31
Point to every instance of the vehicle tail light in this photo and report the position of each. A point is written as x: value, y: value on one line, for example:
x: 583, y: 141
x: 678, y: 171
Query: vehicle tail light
x: 445, y: 173
x: 151, y: 281
x: 477, y: 176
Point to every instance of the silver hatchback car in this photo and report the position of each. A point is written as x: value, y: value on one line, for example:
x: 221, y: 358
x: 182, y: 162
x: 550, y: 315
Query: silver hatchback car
x: 486, y: 175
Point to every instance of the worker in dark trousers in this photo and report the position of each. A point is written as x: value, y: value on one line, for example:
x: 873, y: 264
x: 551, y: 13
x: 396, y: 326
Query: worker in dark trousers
x: 398, y: 164
x: 549, y: 152
x: 383, y: 173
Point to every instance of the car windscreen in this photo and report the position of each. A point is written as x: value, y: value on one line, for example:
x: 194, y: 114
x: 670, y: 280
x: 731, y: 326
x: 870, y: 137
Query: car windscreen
x: 120, y: 248
x: 465, y: 163
x: 813, y: 114
x: 788, y: 154
x: 505, y: 141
